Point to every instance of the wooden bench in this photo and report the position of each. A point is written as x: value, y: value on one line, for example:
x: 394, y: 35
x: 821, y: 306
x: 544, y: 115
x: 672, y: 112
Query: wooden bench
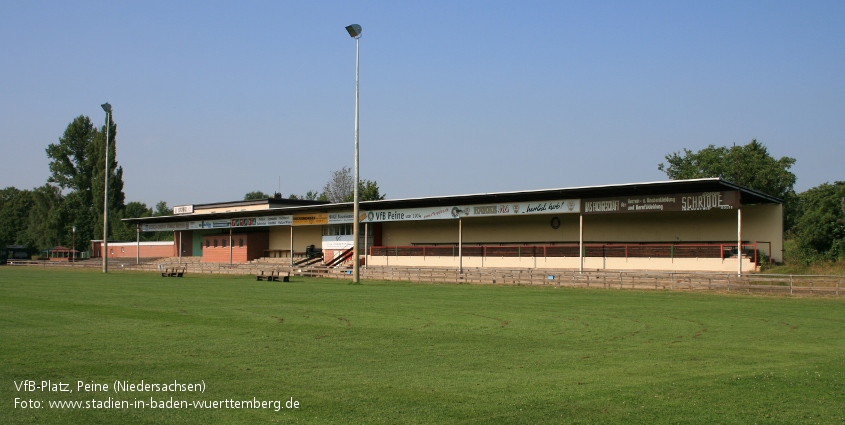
x: 173, y: 272
x: 273, y: 276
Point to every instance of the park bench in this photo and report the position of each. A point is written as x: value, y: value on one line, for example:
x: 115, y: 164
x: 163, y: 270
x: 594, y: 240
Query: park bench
x: 173, y: 272
x: 273, y: 276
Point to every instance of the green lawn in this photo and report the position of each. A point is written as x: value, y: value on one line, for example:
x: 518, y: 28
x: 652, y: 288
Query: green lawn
x: 394, y: 353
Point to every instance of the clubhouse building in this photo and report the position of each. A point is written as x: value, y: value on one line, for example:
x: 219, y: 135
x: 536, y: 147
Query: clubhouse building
x: 679, y: 225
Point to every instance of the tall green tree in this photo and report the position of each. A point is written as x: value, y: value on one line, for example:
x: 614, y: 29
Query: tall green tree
x: 819, y: 230
x: 15, y: 205
x: 161, y: 209
x: 340, y: 188
x: 115, y: 194
x: 78, y: 165
x: 368, y: 191
x: 750, y: 165
x: 48, y: 225
x: 137, y: 210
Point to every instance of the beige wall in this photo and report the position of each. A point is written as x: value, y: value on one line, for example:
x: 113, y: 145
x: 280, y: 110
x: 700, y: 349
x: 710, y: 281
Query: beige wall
x: 728, y: 265
x: 689, y: 227
x: 302, y: 237
x: 698, y: 226
x: 531, y: 228
x: 764, y: 223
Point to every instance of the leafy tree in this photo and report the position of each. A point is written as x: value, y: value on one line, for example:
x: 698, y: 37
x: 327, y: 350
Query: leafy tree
x: 48, y: 226
x: 77, y: 163
x: 251, y: 196
x: 15, y: 205
x: 71, y: 165
x: 161, y: 209
x: 75, y: 214
x: 369, y: 191
x: 340, y: 188
x: 116, y: 197
x: 819, y: 230
x: 750, y: 165
x: 311, y: 195
x: 137, y: 209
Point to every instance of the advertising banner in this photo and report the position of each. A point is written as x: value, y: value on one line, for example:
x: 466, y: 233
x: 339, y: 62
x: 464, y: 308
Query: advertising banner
x: 341, y: 218
x: 310, y: 219
x: 164, y: 227
x: 409, y: 214
x: 216, y: 224
x: 702, y: 201
x: 560, y: 206
x: 273, y: 220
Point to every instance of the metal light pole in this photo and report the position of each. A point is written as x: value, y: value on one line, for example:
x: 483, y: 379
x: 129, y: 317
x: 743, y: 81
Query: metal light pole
x: 73, y: 244
x: 355, y: 32
x: 107, y: 108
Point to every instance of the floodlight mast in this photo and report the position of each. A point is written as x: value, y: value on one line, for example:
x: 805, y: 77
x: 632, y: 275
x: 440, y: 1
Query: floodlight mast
x: 107, y: 108
x: 354, y: 31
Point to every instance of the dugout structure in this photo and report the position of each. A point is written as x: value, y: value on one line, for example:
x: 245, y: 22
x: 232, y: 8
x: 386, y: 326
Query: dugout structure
x: 679, y: 225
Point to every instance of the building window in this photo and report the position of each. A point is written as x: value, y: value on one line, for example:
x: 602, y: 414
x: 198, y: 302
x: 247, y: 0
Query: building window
x: 224, y: 243
x: 240, y: 243
x: 207, y: 243
x: 215, y: 243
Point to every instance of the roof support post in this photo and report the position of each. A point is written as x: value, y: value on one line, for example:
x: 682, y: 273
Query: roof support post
x: 739, y: 241
x: 581, y: 243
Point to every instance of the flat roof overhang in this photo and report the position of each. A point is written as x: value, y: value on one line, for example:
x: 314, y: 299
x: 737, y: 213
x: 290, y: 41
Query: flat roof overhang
x: 747, y: 197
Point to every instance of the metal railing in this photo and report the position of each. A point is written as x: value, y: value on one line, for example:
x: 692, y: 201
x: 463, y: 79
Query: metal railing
x: 607, y: 250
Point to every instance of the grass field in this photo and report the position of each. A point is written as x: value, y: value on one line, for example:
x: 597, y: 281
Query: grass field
x: 390, y: 353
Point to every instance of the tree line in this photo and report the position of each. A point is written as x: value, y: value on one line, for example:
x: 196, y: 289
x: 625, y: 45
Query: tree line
x: 72, y: 197
x: 68, y: 209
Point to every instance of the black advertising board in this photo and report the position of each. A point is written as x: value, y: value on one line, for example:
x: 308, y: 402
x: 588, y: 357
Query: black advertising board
x: 702, y: 201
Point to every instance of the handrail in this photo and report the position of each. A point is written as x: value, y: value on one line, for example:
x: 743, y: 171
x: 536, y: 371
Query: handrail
x: 626, y: 250
x: 345, y: 255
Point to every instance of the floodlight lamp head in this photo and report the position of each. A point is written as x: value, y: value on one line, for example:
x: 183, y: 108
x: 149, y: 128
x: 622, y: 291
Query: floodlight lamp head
x: 106, y: 107
x: 354, y: 30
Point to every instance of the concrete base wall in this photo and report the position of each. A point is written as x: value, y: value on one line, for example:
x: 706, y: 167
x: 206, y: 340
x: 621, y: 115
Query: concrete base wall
x: 590, y: 263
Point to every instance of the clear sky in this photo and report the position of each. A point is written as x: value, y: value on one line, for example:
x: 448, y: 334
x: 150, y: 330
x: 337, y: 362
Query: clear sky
x: 214, y: 99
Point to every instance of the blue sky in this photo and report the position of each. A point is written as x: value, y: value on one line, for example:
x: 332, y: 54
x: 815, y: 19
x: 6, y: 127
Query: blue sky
x: 215, y: 99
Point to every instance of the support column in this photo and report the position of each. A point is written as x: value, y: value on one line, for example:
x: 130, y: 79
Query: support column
x: 137, y: 244
x: 230, y: 246
x: 291, y: 245
x: 581, y: 244
x: 366, y: 244
x: 460, y: 246
x: 739, y: 241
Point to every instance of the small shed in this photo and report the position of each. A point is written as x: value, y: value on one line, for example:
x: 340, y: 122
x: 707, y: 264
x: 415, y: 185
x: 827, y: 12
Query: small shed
x: 61, y: 253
